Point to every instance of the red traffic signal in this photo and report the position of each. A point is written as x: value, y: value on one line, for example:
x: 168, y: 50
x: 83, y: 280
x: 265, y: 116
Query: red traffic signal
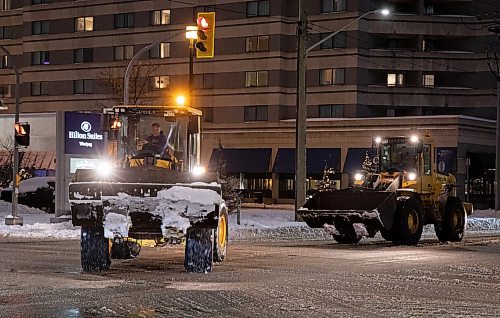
x: 206, y: 35
x: 22, y: 133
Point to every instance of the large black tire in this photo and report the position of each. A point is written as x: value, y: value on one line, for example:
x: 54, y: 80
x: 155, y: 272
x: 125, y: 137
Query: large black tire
x: 221, y: 237
x: 408, y: 222
x: 199, y: 250
x: 454, y: 222
x: 94, y: 249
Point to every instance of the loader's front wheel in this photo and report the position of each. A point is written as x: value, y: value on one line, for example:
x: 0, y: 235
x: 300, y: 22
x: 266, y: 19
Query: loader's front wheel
x: 199, y: 250
x: 454, y: 222
x: 220, y: 237
x: 95, y: 248
x: 408, y: 222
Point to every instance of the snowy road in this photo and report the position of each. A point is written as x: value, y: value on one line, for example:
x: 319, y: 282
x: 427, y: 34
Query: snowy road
x: 285, y: 279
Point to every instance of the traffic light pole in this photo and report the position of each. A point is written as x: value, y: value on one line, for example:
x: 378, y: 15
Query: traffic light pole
x: 14, y: 219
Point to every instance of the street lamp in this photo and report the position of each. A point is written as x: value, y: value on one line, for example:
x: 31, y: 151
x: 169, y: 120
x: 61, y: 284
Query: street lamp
x: 191, y: 35
x: 300, y: 124
x: 180, y: 100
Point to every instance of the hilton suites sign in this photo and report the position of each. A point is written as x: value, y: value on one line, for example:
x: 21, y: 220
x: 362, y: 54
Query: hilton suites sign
x: 83, y: 134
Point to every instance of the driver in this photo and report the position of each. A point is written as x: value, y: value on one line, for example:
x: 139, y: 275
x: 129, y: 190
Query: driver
x: 157, y: 140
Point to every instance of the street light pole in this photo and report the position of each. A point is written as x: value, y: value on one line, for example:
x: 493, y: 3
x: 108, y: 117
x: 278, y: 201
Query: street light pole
x: 497, y: 163
x: 14, y: 219
x: 301, y: 107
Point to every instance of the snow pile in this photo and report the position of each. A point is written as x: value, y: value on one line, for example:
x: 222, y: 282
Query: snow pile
x: 6, y: 208
x: 116, y: 223
x: 483, y: 224
x: 59, y: 231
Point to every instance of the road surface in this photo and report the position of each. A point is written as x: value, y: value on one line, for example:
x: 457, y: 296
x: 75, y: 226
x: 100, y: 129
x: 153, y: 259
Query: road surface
x: 259, y: 279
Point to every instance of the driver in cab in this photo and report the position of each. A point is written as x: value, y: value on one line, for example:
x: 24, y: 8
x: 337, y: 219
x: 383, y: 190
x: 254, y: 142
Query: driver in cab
x: 156, y: 141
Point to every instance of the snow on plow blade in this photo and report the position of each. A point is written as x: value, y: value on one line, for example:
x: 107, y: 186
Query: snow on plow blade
x: 350, y: 206
x: 145, y: 202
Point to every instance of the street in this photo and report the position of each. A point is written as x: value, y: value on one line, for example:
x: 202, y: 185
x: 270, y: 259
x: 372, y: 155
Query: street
x: 265, y: 279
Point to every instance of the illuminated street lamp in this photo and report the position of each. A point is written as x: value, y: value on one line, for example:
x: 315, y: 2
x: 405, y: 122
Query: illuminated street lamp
x: 180, y: 100
x: 301, y: 106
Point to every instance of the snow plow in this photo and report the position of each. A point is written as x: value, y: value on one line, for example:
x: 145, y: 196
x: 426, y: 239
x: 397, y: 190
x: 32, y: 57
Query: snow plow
x: 156, y: 194
x: 399, y: 195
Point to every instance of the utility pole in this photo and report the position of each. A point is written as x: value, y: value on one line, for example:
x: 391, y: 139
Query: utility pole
x: 493, y: 60
x: 300, y: 122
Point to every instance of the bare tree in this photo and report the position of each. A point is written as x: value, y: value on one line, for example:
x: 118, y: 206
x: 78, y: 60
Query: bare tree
x: 140, y: 83
x: 6, y: 153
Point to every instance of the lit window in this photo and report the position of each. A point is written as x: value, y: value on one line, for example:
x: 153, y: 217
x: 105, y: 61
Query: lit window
x: 332, y: 76
x: 161, y: 81
x: 258, y: 78
x: 160, y: 17
x: 394, y: 79
x: 4, y: 61
x: 428, y: 80
x: 160, y: 51
x: 84, y: 24
x: 5, y: 5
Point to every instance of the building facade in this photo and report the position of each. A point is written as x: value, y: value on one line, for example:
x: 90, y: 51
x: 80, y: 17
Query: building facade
x: 425, y: 60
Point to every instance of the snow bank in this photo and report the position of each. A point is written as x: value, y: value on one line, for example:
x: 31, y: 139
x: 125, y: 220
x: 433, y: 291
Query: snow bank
x: 6, y: 208
x: 59, y: 231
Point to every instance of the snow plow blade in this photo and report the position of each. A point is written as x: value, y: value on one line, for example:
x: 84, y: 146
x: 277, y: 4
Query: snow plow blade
x: 373, y: 209
x: 147, y: 201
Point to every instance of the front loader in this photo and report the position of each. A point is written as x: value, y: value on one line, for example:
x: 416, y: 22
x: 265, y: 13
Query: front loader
x: 153, y: 195
x: 398, y: 197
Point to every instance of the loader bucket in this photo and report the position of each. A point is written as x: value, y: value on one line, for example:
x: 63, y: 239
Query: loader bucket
x: 350, y: 205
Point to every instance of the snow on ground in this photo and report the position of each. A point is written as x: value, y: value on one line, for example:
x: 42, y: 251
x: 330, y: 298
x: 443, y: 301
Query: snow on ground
x: 265, y: 224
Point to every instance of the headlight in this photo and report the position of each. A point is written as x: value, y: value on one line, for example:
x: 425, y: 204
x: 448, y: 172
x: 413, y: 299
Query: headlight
x: 412, y: 176
x: 198, y: 170
x: 358, y: 177
x: 105, y: 168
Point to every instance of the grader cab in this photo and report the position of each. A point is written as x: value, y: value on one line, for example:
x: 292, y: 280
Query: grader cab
x: 398, y: 197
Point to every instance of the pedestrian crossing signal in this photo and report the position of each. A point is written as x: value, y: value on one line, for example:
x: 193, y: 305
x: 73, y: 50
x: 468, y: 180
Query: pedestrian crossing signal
x: 22, y: 134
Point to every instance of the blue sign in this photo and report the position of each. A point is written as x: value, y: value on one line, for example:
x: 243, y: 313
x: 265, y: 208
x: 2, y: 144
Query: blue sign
x: 82, y: 134
x: 446, y: 159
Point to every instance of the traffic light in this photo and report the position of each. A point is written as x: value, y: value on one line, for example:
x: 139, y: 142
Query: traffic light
x: 206, y: 35
x: 22, y: 134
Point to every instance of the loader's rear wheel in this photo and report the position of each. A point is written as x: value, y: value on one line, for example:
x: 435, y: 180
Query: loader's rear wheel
x: 347, y: 238
x: 454, y: 222
x: 199, y: 250
x: 221, y: 237
x: 408, y: 223
x: 95, y: 248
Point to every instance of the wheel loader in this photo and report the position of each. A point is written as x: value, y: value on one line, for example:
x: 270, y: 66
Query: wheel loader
x: 402, y: 192
x: 154, y: 194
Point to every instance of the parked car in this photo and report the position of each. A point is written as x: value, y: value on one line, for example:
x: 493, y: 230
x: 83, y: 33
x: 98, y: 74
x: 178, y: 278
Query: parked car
x: 36, y: 192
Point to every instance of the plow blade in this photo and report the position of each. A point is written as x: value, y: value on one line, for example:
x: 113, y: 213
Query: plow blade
x: 350, y: 206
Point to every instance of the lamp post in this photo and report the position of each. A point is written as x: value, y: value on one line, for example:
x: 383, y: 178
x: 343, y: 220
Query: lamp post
x: 191, y: 35
x: 14, y: 219
x: 301, y: 107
